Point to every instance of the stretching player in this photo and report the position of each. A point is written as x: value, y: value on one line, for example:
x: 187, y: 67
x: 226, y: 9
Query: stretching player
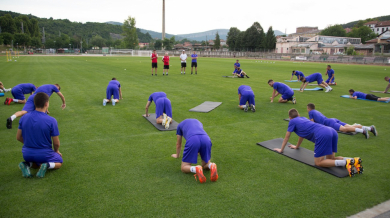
x: 183, y: 59
x: 314, y: 77
x: 38, y: 132
x: 165, y: 59
x: 113, y: 89
x: 197, y: 142
x: 336, y: 124
x: 19, y: 91
x: 356, y: 95
x: 388, y: 86
x: 239, y: 73
x: 285, y: 90
x: 29, y: 106
x: 154, y: 57
x: 325, y: 139
x: 245, y: 94
x: 297, y: 73
x: 163, y: 108
x: 236, y: 65
x: 194, y: 63
x: 2, y: 89
x: 330, y: 73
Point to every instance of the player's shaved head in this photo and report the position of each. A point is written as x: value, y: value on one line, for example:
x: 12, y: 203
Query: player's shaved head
x: 386, y: 78
x: 58, y: 86
x: 311, y: 106
x: 293, y: 113
x: 40, y: 99
x: 113, y: 78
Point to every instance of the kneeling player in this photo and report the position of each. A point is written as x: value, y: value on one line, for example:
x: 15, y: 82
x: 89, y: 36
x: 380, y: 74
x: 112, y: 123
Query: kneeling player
x: 362, y: 95
x: 29, y: 106
x: 19, y: 91
x: 297, y: 73
x: 197, y: 142
x: 38, y: 132
x: 113, y: 89
x: 245, y: 96
x: 314, y: 77
x: 330, y: 73
x: 325, y: 140
x: 239, y: 73
x: 285, y: 90
x: 163, y: 108
x: 336, y: 124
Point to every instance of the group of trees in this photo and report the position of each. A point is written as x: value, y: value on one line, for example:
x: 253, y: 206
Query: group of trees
x: 253, y: 39
x: 358, y: 31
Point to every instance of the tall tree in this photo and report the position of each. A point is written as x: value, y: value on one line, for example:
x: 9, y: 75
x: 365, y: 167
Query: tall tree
x: 130, y: 33
x: 335, y: 30
x: 254, y: 37
x: 363, y: 32
x: 158, y: 44
x: 217, y: 42
x: 233, y: 38
x: 7, y: 24
x: 168, y: 43
x: 270, y: 39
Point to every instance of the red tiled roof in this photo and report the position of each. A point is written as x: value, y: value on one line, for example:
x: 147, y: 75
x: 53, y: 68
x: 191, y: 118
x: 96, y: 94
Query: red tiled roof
x: 383, y: 24
x: 371, y: 22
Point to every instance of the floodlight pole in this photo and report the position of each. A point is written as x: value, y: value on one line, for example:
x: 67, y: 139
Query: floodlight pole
x: 163, y: 21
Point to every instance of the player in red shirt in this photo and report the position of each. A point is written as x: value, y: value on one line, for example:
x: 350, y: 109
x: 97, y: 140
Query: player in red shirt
x: 154, y: 57
x: 165, y: 59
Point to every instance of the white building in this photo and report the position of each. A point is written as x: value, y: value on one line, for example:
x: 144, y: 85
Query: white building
x: 378, y: 27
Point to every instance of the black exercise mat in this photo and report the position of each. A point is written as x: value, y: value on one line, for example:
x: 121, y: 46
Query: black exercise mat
x: 232, y: 77
x: 206, y: 106
x: 380, y: 92
x: 346, y: 133
x: 152, y: 120
x: 303, y: 155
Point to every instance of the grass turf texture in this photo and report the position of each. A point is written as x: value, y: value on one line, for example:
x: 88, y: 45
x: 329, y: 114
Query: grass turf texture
x: 117, y: 164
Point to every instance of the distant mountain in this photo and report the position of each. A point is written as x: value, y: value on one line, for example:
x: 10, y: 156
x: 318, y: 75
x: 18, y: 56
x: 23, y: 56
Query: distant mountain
x: 202, y: 36
x: 351, y: 24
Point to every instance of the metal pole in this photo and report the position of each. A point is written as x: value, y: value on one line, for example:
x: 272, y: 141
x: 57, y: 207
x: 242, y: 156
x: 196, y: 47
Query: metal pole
x: 163, y: 20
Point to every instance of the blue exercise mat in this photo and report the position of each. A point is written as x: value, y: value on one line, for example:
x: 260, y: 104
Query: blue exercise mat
x: 313, y: 89
x: 347, y: 96
x: 291, y: 81
x: 1, y: 94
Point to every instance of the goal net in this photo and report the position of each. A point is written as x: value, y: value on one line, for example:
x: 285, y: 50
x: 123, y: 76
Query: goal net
x: 144, y: 53
x: 122, y: 52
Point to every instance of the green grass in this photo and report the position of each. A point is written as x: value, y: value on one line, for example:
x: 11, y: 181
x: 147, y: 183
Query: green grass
x: 116, y: 164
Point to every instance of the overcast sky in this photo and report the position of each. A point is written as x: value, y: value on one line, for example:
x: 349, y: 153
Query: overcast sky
x: 183, y: 17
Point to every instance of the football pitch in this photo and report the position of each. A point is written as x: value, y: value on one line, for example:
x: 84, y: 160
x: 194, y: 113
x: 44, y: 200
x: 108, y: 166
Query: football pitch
x: 116, y: 164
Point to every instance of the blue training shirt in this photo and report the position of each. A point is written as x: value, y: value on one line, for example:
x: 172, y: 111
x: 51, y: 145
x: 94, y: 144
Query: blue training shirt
x: 194, y: 56
x: 317, y: 116
x: 25, y: 88
x: 304, y: 128
x: 298, y: 73
x: 313, y: 77
x: 190, y: 127
x: 115, y: 83
x: 330, y: 73
x: 282, y: 88
x: 48, y: 89
x: 359, y: 95
x: 37, y: 130
x: 157, y: 95
x: 244, y: 89
x: 237, y: 65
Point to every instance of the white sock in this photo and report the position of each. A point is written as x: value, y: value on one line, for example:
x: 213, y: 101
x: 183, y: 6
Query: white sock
x: 51, y: 165
x: 105, y: 100
x: 368, y: 127
x: 193, y: 169
x: 359, y: 130
x: 210, y: 165
x: 345, y: 158
x: 13, y: 117
x: 15, y: 100
x: 340, y: 163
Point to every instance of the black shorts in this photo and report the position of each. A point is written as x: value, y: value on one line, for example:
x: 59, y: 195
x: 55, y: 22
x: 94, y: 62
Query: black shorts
x: 372, y: 97
x: 183, y: 64
x: 166, y: 67
x: 194, y: 64
x: 154, y: 65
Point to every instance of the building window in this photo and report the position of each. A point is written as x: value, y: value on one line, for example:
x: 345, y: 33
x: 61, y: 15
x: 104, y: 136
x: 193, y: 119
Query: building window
x: 377, y: 29
x: 383, y: 29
